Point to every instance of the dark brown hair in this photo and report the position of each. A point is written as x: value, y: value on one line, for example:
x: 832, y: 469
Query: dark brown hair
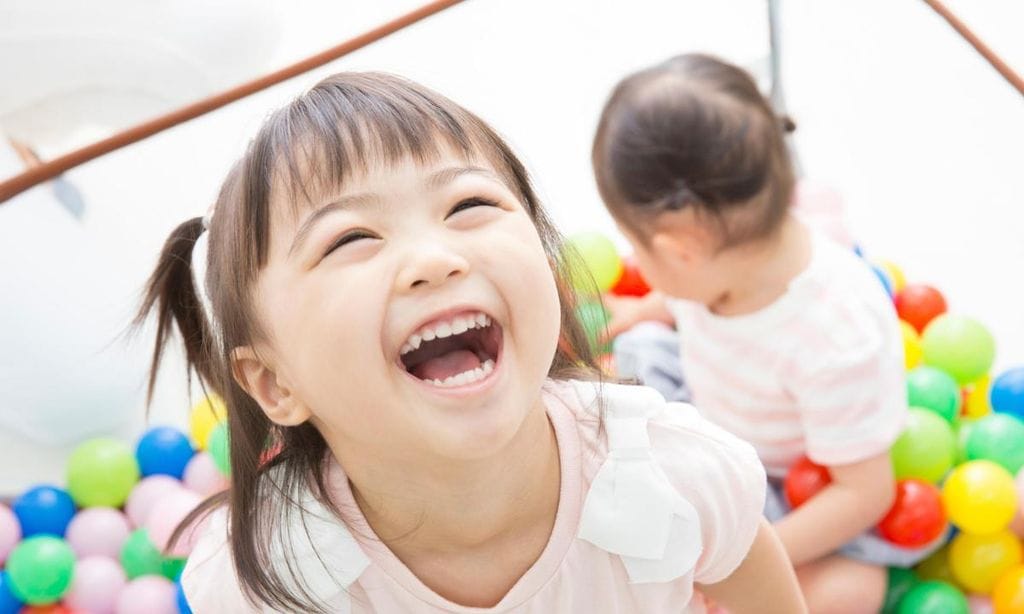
x: 343, y: 125
x: 694, y: 131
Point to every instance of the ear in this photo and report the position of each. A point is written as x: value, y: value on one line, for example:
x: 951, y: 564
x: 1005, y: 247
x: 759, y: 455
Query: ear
x: 679, y: 236
x: 264, y: 385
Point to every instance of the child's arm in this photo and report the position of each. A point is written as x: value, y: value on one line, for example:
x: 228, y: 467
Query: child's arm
x: 858, y: 497
x: 628, y: 311
x: 764, y: 582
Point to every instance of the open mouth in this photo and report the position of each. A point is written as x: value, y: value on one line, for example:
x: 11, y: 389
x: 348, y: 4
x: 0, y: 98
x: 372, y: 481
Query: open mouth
x: 455, y: 351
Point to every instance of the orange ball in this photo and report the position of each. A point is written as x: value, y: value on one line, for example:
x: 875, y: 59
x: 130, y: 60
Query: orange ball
x: 1008, y: 594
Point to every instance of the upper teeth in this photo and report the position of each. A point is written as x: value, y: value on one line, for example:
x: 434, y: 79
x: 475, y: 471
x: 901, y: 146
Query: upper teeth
x: 446, y: 328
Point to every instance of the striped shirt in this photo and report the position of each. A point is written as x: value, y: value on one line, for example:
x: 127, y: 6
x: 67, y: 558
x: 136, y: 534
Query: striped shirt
x: 818, y: 372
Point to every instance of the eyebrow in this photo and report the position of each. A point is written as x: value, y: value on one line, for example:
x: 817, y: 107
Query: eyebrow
x: 435, y: 182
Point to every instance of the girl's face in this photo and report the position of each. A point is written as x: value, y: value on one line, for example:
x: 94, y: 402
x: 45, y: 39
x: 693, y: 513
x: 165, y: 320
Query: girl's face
x: 414, y: 313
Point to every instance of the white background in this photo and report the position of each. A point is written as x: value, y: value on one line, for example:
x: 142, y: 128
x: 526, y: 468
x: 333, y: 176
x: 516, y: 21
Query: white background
x: 922, y: 138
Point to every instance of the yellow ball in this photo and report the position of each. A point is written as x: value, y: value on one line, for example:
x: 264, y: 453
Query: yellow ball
x: 899, y: 281
x: 936, y: 567
x: 979, y: 497
x: 1008, y: 594
x: 978, y: 561
x: 206, y: 415
x: 911, y: 345
x: 977, y: 404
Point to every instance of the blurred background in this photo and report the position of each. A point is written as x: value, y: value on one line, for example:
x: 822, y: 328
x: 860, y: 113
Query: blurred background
x: 921, y: 137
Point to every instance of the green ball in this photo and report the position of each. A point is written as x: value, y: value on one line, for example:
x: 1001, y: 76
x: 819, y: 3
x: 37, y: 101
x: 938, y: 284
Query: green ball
x: 140, y: 557
x: 934, y: 389
x: 218, y: 445
x: 963, y: 431
x: 102, y: 472
x: 926, y: 448
x: 934, y: 597
x: 1000, y: 439
x: 959, y: 346
x: 172, y: 567
x: 592, y: 259
x: 901, y: 581
x: 594, y: 318
x: 41, y: 569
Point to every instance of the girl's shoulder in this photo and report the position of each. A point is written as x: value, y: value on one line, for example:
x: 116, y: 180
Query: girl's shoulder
x: 668, y: 491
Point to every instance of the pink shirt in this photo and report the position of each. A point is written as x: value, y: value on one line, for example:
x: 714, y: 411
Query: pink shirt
x: 653, y: 499
x: 818, y: 372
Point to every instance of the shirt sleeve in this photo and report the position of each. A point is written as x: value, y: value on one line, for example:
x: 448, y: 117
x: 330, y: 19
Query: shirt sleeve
x: 209, y: 579
x: 850, y: 389
x: 722, y: 477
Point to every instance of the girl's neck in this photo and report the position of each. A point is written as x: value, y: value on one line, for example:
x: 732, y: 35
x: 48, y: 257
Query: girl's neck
x: 760, y: 273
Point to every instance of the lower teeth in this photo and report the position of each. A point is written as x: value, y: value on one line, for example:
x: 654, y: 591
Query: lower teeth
x: 467, y: 377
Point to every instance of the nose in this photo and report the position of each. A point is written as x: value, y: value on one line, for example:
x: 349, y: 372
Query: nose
x: 430, y: 263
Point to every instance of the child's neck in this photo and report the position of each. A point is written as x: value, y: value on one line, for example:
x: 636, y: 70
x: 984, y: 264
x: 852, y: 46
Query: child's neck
x: 761, y: 272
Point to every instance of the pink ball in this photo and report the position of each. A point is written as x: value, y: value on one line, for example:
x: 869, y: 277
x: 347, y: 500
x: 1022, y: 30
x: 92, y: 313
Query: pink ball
x: 168, y: 512
x: 10, y: 532
x: 202, y: 475
x: 98, y: 582
x: 145, y: 494
x: 148, y: 595
x: 979, y: 604
x: 98, y: 531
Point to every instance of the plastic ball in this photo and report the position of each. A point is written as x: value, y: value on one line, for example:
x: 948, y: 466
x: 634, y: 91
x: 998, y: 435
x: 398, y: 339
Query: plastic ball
x: 148, y: 595
x: 899, y: 584
x: 44, y: 510
x: 980, y: 497
x: 962, y: 430
x: 145, y: 495
x: 594, y: 318
x: 976, y: 403
x: 958, y: 345
x: 1000, y: 439
x: 934, y: 597
x: 916, y: 518
x: 40, y: 569
x: 101, y: 472
x: 168, y: 513
x: 139, y: 557
x: 979, y: 604
x: 933, y: 389
x: 632, y: 282
x: 9, y: 602
x: 804, y: 480
x: 601, y: 265
x: 219, y: 448
x: 179, y: 593
x: 1008, y: 593
x: 979, y: 560
x: 1007, y: 394
x: 164, y: 450
x: 883, y: 278
x: 911, y: 345
x: 96, y: 584
x: 207, y: 413
x: 10, y: 532
x: 98, y: 531
x: 918, y: 305
x: 936, y: 567
x: 926, y: 448
x: 203, y: 477
x: 895, y: 273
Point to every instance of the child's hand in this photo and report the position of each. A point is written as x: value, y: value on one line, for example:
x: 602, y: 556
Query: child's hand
x: 628, y: 311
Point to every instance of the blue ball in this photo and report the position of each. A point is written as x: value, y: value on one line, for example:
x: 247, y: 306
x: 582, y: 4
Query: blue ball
x: 9, y: 604
x: 1007, y: 395
x: 164, y: 450
x: 44, y: 510
x: 183, y: 607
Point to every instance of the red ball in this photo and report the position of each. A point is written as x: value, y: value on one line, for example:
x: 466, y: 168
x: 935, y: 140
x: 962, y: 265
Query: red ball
x: 54, y: 608
x: 918, y: 305
x: 917, y: 517
x: 631, y: 283
x: 804, y: 480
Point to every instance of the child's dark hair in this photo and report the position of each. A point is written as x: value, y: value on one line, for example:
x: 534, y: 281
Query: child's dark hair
x: 694, y: 131
x: 343, y: 125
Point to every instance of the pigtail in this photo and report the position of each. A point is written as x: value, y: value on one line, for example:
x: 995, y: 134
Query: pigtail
x: 171, y: 293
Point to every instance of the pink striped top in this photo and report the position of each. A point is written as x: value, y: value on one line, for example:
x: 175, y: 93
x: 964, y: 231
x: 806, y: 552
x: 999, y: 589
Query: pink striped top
x: 817, y: 372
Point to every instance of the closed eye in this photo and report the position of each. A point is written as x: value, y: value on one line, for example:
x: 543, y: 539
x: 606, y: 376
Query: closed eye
x: 348, y: 238
x: 469, y: 203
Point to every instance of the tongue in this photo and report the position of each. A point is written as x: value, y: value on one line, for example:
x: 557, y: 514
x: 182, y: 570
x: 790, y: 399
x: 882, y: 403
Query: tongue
x: 446, y: 365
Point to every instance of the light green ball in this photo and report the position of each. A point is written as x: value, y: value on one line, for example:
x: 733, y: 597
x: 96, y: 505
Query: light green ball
x: 594, y: 318
x: 102, y: 472
x: 219, y: 448
x: 140, y: 557
x: 593, y: 260
x: 934, y: 389
x: 926, y: 449
x: 960, y: 346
